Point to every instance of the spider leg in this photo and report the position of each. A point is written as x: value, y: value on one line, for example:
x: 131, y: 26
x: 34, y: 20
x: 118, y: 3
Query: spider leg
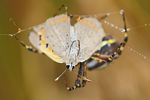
x: 26, y: 46
x: 59, y: 10
x: 122, y: 44
x: 77, y: 82
x: 84, y: 75
x: 82, y: 69
x: 108, y: 58
x: 98, y: 59
x: 29, y: 47
x: 101, y: 56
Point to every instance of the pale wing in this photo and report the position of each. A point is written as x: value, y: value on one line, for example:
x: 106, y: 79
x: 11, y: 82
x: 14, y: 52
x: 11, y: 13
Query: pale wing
x: 37, y: 39
x: 89, y: 33
x: 57, y: 34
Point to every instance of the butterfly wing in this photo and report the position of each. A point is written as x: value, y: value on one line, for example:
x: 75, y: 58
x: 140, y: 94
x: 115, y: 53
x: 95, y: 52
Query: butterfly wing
x: 89, y: 33
x: 57, y: 34
x: 36, y: 37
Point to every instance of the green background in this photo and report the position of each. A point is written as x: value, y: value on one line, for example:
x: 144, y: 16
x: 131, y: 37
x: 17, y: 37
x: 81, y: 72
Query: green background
x: 28, y: 76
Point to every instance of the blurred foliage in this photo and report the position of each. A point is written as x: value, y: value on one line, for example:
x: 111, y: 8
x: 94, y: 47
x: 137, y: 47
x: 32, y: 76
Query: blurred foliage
x: 28, y: 76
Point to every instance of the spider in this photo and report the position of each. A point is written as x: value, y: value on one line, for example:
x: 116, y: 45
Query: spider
x: 109, y: 46
x: 73, y: 45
